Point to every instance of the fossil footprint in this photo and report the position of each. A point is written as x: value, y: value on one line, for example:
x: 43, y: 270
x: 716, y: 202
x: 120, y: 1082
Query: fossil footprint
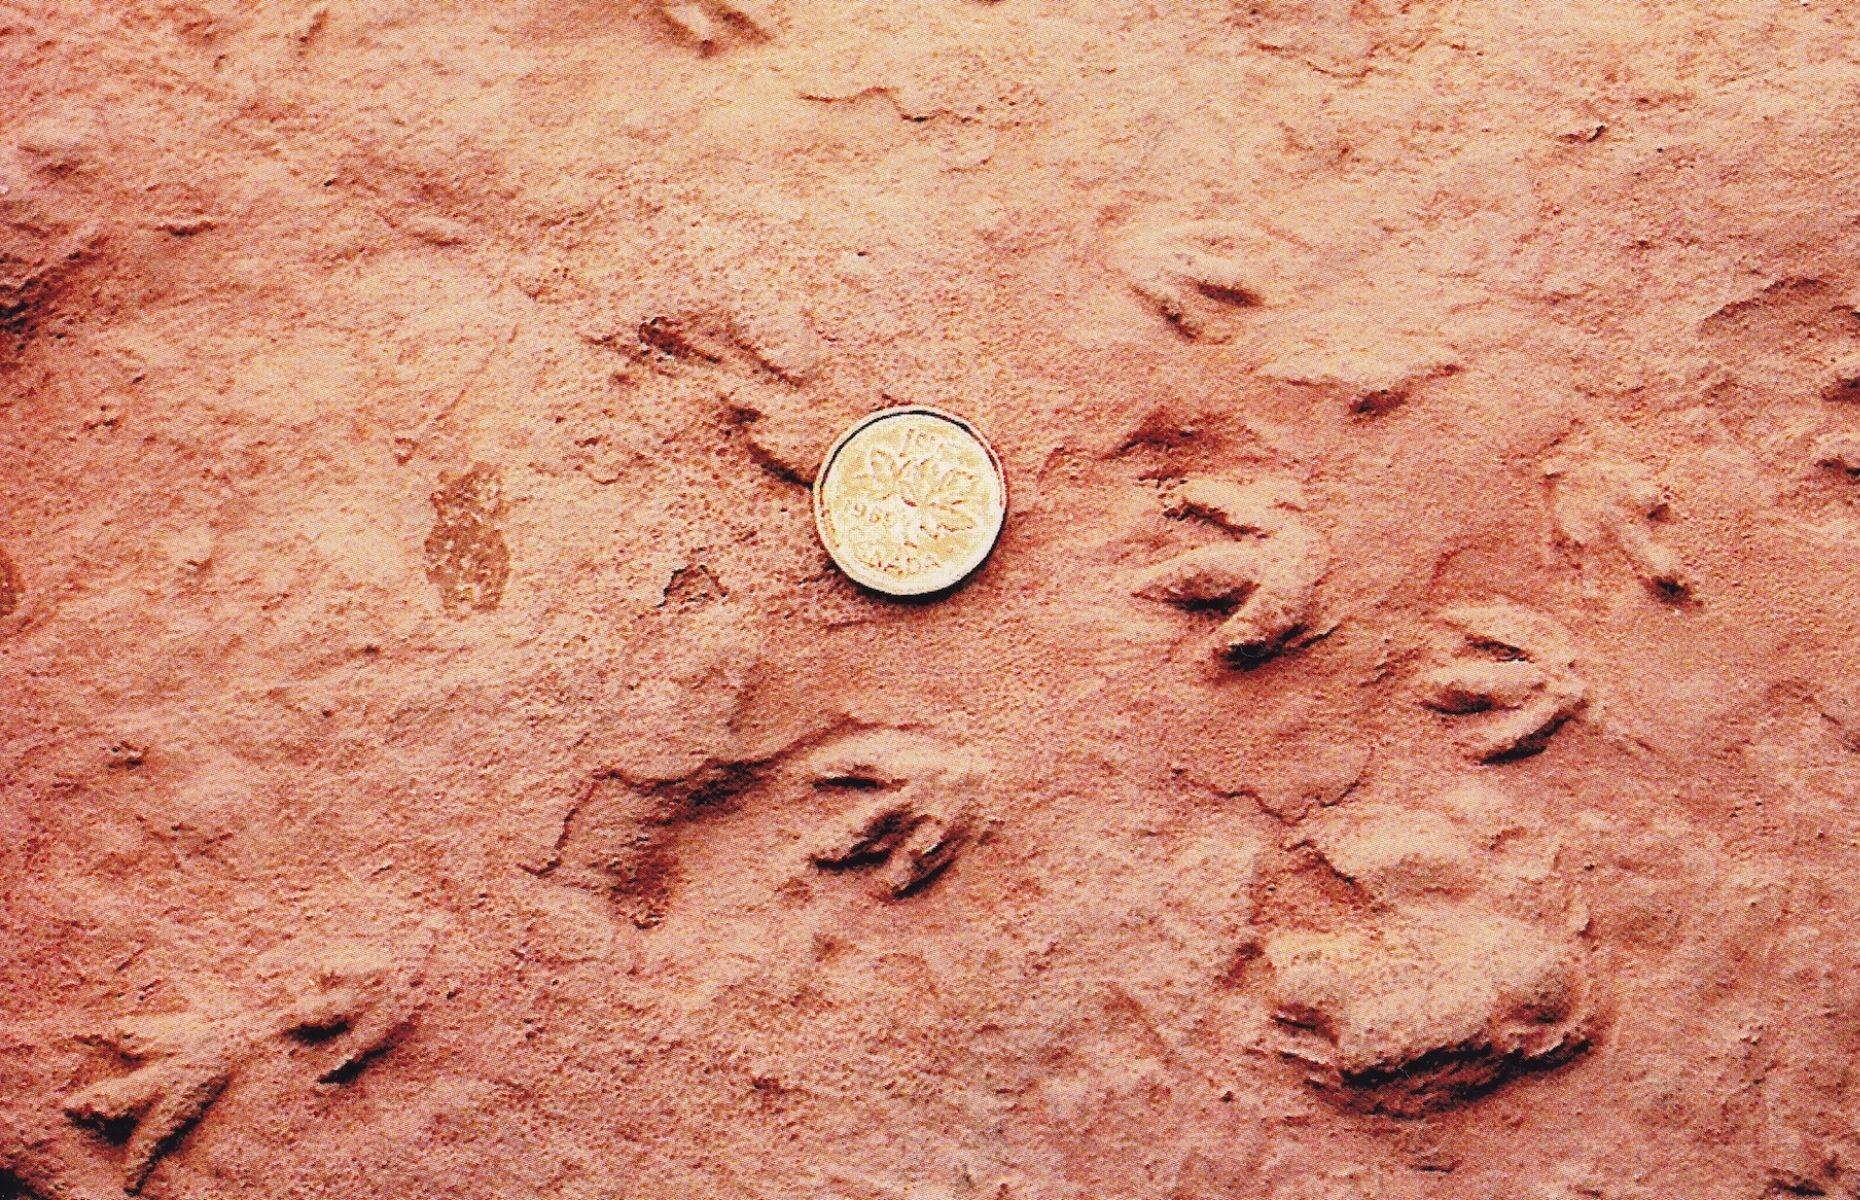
x: 347, y: 1009
x: 920, y: 816
x: 1454, y: 967
x: 713, y: 25
x: 185, y: 1062
x: 1197, y: 275
x: 1513, y: 666
x: 1613, y: 504
x: 1265, y: 576
x: 909, y: 813
x: 761, y: 351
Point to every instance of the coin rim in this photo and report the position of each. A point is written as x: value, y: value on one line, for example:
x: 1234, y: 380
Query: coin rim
x: 855, y: 571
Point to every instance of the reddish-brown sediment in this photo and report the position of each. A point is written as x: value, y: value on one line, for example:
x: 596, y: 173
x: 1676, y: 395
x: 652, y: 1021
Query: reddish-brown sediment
x: 1403, y: 744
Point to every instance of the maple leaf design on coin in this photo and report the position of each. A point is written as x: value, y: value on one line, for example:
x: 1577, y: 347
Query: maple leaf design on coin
x: 910, y: 501
x: 930, y: 499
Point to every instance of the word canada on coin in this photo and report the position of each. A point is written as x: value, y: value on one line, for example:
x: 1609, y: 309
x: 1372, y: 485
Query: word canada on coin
x: 910, y: 501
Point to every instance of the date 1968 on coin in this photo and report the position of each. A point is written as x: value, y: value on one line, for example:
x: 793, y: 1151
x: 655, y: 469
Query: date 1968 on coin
x: 910, y: 501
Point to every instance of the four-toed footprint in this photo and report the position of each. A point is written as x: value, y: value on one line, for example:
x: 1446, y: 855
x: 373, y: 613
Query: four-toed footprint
x: 1264, y: 576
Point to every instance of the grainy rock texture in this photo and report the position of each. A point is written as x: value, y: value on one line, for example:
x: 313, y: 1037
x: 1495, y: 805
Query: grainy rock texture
x: 1404, y: 745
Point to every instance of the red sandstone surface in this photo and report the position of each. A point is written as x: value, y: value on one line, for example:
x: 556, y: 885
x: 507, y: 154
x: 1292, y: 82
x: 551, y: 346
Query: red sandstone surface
x: 1404, y: 745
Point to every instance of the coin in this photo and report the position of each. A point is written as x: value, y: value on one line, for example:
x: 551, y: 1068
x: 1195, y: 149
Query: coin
x: 909, y: 501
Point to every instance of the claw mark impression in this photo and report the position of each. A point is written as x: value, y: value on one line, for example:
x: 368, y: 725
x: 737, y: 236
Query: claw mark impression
x: 1265, y: 577
x: 1512, y: 665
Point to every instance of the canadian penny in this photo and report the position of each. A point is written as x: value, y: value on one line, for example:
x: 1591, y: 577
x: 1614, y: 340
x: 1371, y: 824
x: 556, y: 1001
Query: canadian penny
x: 909, y: 501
